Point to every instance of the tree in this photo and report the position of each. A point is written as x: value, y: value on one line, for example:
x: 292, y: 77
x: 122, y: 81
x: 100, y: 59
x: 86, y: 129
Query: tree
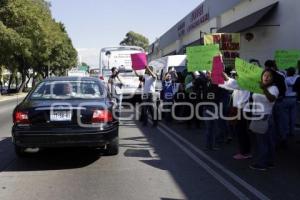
x: 32, y: 39
x: 135, y: 39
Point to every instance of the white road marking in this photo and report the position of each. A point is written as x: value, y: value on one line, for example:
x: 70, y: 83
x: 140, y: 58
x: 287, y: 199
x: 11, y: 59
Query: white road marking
x: 247, y: 186
x: 212, y: 172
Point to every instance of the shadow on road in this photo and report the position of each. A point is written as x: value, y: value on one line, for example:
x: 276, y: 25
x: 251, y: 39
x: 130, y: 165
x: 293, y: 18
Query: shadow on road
x: 154, y: 150
x: 48, y: 159
x: 278, y: 183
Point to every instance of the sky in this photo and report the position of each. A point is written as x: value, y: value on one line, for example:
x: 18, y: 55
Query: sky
x: 94, y: 24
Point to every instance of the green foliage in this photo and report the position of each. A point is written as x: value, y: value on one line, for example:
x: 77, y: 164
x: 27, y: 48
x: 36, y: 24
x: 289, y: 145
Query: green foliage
x: 135, y: 39
x: 32, y: 39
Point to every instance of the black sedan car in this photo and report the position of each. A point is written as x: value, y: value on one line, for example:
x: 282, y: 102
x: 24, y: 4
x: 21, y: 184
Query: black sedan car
x: 66, y: 112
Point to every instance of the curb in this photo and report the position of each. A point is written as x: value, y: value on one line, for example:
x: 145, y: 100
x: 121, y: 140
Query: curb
x: 7, y: 98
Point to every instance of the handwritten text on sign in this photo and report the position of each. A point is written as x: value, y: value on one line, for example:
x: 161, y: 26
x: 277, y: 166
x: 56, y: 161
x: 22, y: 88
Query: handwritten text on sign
x: 201, y: 57
x: 249, y: 76
x: 286, y: 59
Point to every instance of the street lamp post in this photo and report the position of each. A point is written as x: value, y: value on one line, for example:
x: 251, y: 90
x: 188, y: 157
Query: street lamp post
x: 108, y: 54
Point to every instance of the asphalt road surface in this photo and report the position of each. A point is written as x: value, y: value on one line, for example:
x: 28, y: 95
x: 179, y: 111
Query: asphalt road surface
x: 165, y: 163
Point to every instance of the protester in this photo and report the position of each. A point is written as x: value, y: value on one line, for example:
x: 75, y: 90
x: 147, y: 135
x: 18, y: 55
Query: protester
x: 224, y: 134
x: 173, y: 74
x: 167, y: 94
x: 188, y: 82
x: 149, y: 96
x: 210, y: 95
x: 262, y: 108
x: 196, y: 91
x: 279, y: 108
x: 191, y: 95
x: 239, y: 99
x: 180, y: 98
x: 115, y: 86
x: 289, y: 104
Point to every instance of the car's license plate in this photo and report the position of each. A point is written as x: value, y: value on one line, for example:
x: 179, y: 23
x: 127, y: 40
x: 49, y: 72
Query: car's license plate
x: 60, y: 116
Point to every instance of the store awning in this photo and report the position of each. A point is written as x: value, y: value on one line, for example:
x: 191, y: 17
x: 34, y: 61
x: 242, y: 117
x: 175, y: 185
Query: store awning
x: 247, y: 22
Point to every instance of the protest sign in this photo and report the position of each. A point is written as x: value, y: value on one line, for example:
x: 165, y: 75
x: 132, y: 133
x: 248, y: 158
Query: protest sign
x: 249, y: 76
x: 286, y: 59
x: 201, y: 57
x: 217, y: 71
x: 139, y: 61
x: 229, y: 45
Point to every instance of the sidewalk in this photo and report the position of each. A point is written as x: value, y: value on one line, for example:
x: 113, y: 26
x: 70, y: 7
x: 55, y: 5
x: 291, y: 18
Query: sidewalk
x: 7, y: 97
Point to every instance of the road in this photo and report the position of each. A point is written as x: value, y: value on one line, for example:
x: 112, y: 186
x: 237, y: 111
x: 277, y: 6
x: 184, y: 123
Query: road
x: 164, y: 163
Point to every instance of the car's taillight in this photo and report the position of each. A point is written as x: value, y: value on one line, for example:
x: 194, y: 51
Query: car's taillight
x: 102, y: 116
x: 21, y: 118
x: 101, y: 78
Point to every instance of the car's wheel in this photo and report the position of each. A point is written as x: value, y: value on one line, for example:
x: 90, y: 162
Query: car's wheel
x: 113, y: 147
x: 20, y: 151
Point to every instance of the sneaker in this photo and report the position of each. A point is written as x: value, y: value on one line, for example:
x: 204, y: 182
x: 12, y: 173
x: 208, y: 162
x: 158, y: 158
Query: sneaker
x: 239, y: 157
x: 258, y: 167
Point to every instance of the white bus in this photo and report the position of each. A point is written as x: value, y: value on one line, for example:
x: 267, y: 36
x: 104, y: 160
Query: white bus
x: 120, y: 58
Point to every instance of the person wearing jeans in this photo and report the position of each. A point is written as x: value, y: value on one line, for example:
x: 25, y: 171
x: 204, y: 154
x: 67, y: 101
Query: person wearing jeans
x: 262, y: 106
x: 265, y: 148
x: 211, y: 126
x: 239, y: 99
x: 211, y: 96
x: 289, y: 113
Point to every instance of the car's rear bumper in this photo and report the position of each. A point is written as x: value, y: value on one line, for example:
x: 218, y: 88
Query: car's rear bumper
x: 79, y: 138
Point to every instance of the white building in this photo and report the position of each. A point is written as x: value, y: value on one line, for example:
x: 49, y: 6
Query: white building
x: 265, y: 26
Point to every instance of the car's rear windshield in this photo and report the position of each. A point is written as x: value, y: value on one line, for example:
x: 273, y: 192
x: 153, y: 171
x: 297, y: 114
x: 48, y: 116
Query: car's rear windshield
x: 68, y: 90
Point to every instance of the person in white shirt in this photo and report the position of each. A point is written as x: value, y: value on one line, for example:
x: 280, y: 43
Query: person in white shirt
x: 239, y: 99
x: 290, y: 104
x: 149, y: 80
x: 262, y: 107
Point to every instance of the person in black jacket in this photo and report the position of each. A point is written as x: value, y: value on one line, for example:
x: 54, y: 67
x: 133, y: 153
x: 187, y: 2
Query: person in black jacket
x: 210, y: 94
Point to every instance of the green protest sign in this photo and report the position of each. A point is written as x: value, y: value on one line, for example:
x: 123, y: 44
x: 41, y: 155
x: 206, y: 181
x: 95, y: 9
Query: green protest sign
x: 286, y: 59
x: 201, y: 57
x: 249, y: 76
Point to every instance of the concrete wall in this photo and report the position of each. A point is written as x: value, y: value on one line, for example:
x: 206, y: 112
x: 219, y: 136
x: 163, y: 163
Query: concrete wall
x: 279, y: 30
x: 215, y: 7
x: 243, y: 9
x: 267, y: 39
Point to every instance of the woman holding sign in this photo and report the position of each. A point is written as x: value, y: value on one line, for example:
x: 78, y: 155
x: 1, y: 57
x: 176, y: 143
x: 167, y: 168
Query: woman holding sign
x: 261, y: 122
